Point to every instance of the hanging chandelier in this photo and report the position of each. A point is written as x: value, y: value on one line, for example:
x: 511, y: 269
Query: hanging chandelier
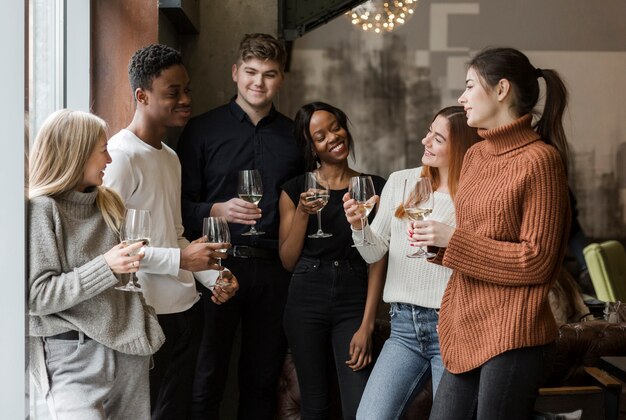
x: 381, y: 15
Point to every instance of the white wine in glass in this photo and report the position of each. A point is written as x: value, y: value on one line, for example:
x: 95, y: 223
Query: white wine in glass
x: 136, y: 228
x: 418, y: 200
x: 362, y: 191
x: 315, y: 184
x: 216, y: 231
x: 250, y: 189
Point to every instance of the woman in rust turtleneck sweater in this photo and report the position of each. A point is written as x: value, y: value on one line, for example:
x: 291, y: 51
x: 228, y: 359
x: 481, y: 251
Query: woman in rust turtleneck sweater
x: 496, y: 328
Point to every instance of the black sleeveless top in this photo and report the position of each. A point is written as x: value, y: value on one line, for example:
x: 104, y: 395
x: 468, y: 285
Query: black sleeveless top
x: 339, y: 246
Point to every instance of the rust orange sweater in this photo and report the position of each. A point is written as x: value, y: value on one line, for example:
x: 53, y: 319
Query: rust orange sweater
x: 512, y: 217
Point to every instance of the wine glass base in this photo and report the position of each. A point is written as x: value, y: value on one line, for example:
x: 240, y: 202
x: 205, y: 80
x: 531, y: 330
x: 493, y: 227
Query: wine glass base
x: 129, y: 288
x: 249, y: 233
x: 422, y: 254
x: 320, y: 235
x: 366, y: 243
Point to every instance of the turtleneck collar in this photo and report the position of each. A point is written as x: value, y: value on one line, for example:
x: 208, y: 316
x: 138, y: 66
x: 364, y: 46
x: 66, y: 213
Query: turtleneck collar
x: 509, y: 137
x: 88, y: 197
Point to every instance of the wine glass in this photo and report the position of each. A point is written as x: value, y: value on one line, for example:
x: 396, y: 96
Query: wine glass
x: 362, y: 191
x: 250, y: 189
x: 315, y: 184
x: 418, y: 200
x: 216, y: 231
x: 136, y: 228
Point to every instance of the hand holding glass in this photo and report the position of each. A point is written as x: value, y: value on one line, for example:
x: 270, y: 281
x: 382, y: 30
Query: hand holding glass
x: 362, y: 191
x: 216, y: 231
x: 250, y: 189
x: 137, y: 226
x: 316, y: 185
x: 418, y: 200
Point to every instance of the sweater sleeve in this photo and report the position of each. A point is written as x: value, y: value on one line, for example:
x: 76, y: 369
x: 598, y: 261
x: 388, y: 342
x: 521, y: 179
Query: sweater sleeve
x: 50, y: 290
x: 379, y: 232
x: 121, y: 177
x: 542, y: 229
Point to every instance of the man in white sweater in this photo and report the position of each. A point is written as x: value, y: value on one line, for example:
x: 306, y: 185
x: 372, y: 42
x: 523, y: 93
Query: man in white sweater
x: 146, y: 173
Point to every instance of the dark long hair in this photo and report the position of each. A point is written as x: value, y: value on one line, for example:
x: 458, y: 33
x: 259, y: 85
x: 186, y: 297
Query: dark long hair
x: 302, y: 133
x: 461, y: 138
x: 495, y: 64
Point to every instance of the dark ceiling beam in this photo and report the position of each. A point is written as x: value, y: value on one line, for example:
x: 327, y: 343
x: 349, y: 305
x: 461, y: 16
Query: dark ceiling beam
x: 297, y: 17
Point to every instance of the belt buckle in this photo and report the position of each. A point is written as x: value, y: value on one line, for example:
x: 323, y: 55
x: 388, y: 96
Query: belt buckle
x: 237, y: 251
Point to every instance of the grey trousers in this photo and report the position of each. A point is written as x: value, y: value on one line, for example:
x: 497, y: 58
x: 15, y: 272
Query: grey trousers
x: 90, y: 381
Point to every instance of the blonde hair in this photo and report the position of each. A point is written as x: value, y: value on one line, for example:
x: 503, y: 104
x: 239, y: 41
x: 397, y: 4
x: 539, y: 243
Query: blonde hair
x: 62, y: 147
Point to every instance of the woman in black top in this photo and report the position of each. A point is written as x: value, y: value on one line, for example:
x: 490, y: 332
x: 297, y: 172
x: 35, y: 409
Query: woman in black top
x: 333, y: 296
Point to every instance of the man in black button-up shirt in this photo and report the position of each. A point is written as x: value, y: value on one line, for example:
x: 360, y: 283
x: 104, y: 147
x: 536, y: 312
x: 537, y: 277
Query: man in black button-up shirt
x: 247, y: 133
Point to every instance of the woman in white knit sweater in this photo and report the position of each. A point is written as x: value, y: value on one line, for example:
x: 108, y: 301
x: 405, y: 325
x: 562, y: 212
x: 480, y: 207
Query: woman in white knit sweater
x: 413, y: 286
x: 90, y: 344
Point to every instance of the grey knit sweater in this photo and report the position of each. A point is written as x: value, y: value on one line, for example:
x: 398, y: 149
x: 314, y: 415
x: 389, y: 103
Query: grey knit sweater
x: 71, y: 287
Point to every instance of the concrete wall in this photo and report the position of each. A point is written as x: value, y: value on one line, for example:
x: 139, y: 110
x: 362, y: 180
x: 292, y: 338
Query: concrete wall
x: 210, y: 54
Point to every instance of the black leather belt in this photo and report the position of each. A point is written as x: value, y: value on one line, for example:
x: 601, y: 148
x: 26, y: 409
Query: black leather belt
x: 243, y: 251
x: 69, y: 335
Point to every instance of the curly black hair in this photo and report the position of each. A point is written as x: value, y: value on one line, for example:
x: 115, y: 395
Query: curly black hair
x: 148, y: 63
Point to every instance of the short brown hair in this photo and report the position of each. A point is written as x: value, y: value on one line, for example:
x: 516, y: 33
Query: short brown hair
x: 263, y: 47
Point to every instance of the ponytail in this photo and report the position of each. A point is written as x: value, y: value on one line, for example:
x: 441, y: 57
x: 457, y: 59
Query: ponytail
x: 495, y: 64
x: 550, y: 125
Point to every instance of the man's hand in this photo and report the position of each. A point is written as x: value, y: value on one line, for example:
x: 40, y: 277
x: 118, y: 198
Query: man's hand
x: 237, y: 210
x: 226, y: 291
x: 199, y: 255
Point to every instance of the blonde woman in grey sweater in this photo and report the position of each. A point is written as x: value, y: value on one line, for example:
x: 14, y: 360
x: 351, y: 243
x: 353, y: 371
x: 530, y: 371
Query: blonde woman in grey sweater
x: 90, y: 344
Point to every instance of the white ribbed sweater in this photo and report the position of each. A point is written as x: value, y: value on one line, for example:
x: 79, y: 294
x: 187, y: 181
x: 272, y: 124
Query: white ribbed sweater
x: 409, y: 280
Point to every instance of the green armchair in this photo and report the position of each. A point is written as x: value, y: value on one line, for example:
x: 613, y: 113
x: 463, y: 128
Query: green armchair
x: 607, y: 268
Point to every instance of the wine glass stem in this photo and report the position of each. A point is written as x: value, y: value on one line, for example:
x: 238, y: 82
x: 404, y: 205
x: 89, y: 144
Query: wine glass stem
x: 319, y: 222
x: 363, y: 219
x: 221, y: 276
x: 131, y: 280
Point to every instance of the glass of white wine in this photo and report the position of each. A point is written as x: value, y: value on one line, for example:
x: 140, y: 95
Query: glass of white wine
x: 418, y: 200
x: 136, y: 228
x: 362, y: 191
x: 316, y: 185
x: 250, y: 189
x: 216, y: 231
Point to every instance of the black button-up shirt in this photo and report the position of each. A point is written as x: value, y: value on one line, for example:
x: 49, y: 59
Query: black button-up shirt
x: 215, y: 146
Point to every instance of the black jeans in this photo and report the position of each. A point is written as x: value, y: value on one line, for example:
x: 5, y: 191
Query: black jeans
x: 171, y: 379
x: 504, y: 387
x: 259, y: 306
x: 324, y: 309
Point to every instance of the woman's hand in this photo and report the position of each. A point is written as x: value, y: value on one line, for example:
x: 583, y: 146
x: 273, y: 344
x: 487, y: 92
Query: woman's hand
x: 354, y: 214
x: 360, y: 349
x: 430, y: 233
x: 309, y: 204
x: 120, y: 259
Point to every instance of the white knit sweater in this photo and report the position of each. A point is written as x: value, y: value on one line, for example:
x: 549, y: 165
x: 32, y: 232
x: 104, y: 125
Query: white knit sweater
x: 409, y: 280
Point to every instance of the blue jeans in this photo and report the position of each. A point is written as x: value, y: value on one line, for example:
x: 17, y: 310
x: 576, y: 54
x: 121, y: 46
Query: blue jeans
x: 409, y: 357
x: 504, y: 387
x: 324, y: 309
